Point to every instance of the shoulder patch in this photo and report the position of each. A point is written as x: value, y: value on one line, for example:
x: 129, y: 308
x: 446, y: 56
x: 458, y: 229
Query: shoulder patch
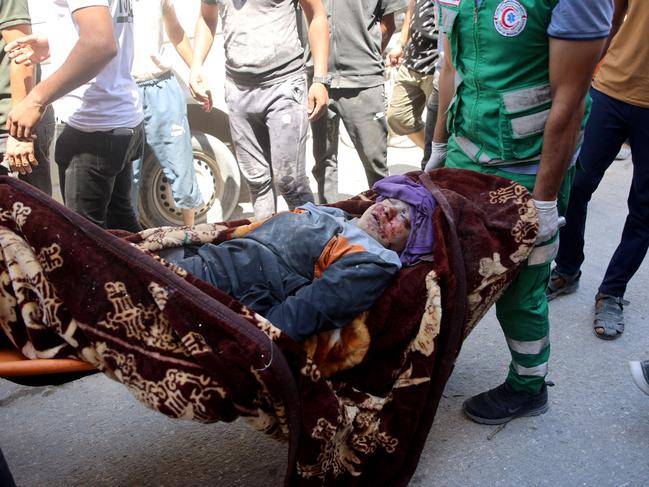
x: 510, y: 18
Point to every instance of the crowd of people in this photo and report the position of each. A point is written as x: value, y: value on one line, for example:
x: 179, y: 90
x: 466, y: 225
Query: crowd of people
x: 508, y: 91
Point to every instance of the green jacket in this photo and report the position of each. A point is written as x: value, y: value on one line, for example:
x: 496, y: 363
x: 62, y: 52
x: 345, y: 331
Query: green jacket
x: 501, y: 53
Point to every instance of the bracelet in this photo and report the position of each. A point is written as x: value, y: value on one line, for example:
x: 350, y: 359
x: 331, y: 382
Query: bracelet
x: 324, y: 80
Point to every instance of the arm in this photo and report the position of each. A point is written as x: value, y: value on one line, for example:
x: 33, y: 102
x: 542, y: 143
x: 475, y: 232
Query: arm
x: 177, y: 35
x: 345, y: 289
x: 571, y: 68
x: 446, y: 93
x: 203, y: 39
x: 20, y: 154
x: 395, y: 56
x: 316, y: 18
x: 621, y: 7
x: 387, y: 29
x: 92, y: 52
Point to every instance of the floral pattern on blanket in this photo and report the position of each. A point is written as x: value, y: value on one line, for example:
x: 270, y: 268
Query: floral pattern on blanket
x: 358, y: 401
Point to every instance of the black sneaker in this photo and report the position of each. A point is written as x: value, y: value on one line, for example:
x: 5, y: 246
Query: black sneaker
x: 640, y: 374
x: 503, y: 404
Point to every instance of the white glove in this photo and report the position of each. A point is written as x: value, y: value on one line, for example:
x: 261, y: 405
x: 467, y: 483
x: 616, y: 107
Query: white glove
x: 548, y: 220
x: 437, y: 156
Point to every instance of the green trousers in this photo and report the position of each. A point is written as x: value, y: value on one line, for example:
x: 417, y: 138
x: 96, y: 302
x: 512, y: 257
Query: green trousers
x: 523, y: 308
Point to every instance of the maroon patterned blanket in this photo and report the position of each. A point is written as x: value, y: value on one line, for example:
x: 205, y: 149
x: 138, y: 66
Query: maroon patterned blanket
x: 355, y: 405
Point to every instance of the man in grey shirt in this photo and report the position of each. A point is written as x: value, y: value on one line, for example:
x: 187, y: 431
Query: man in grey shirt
x: 360, y: 31
x: 266, y: 90
x: 29, y: 158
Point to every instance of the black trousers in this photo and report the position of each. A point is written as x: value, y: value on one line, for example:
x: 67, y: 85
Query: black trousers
x: 6, y: 479
x: 611, y: 122
x: 96, y: 172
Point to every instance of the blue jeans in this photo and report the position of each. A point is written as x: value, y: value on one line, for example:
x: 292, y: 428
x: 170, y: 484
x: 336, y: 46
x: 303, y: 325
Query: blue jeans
x: 95, y: 172
x: 611, y: 122
x: 169, y: 138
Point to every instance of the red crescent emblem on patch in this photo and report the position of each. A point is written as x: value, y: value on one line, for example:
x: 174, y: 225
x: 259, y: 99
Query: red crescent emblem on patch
x: 503, y: 18
x: 510, y: 18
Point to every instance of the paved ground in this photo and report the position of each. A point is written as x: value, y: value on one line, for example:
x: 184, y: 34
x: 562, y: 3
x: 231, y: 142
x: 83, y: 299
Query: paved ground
x: 92, y: 432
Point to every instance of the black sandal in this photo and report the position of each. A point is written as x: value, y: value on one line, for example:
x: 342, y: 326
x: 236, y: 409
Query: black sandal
x: 609, y: 316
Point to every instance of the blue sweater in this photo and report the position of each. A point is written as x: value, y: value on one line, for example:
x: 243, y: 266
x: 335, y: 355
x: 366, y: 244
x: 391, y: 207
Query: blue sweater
x: 306, y: 271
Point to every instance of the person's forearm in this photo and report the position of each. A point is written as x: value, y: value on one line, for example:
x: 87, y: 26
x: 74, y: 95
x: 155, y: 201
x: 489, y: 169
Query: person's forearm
x: 184, y: 49
x: 571, y: 69
x: 86, y: 60
x: 405, y: 28
x: 387, y: 29
x: 621, y: 7
x: 89, y: 56
x: 177, y: 36
x: 21, y: 81
x: 204, y: 34
x: 319, y: 44
x: 21, y: 77
x: 316, y: 19
x: 446, y: 92
x: 559, y: 143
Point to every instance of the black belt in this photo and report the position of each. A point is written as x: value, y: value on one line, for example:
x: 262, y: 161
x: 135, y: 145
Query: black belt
x: 152, y: 81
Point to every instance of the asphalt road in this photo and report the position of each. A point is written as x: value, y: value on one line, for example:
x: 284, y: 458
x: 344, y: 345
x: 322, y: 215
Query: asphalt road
x: 596, y: 433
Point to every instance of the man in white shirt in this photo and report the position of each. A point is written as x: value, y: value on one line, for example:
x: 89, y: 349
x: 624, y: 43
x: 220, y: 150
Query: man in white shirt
x: 163, y: 102
x: 97, y: 105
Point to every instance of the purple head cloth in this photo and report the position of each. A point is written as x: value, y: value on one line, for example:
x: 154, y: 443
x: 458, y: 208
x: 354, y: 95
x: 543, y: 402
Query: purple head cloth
x: 422, y: 204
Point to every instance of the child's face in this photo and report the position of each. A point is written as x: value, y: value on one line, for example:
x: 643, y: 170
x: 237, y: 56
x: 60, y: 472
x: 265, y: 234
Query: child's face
x: 388, y: 222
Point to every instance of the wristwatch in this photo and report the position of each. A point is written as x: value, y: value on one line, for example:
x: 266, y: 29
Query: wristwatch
x: 325, y: 80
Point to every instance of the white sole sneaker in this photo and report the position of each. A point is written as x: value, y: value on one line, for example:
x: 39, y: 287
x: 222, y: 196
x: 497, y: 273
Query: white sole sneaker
x: 638, y: 376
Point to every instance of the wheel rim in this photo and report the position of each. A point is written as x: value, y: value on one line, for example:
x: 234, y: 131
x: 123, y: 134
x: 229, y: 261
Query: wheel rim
x: 209, y: 184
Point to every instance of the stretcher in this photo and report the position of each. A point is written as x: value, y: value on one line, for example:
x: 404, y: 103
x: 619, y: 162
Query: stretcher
x: 355, y: 405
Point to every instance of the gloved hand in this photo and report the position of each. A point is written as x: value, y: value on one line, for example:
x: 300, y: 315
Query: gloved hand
x: 437, y: 156
x: 548, y: 220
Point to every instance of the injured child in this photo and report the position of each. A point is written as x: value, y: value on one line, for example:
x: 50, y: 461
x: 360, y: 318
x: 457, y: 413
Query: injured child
x: 355, y: 406
x: 317, y: 268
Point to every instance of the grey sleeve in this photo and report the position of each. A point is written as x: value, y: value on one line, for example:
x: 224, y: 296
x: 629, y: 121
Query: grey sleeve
x: 581, y: 19
x: 209, y: 2
x: 393, y: 6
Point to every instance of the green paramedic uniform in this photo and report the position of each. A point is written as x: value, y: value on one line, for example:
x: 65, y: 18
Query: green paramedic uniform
x: 500, y: 50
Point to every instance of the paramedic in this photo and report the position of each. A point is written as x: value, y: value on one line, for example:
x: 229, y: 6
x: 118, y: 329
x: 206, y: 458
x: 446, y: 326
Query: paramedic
x: 521, y: 71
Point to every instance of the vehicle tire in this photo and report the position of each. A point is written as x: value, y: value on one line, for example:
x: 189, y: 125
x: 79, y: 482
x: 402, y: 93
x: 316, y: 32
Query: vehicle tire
x: 218, y: 179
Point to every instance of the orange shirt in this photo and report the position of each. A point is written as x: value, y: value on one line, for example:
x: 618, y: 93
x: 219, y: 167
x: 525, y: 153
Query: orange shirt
x: 624, y: 74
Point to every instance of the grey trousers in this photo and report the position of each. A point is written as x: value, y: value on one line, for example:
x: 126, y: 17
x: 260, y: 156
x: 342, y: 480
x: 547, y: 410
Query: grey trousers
x: 269, y: 129
x: 362, y: 110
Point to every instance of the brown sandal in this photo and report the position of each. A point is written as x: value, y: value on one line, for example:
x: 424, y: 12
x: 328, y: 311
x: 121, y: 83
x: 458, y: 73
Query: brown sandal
x: 561, y: 284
